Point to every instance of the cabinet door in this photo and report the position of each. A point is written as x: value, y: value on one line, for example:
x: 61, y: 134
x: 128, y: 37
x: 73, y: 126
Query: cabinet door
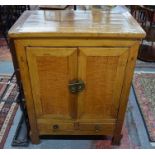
x: 102, y: 71
x: 50, y: 70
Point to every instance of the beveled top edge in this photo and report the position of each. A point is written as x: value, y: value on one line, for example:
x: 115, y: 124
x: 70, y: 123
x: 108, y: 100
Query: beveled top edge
x: 73, y: 24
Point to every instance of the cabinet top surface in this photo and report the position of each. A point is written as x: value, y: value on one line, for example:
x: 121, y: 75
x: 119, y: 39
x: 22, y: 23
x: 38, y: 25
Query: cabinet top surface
x: 76, y: 24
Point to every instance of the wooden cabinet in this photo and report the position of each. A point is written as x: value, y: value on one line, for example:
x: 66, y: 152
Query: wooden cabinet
x: 53, y: 69
x: 76, y: 76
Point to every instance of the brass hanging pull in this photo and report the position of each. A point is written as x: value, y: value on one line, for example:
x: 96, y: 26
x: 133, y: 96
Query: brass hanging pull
x: 97, y: 128
x: 76, y: 86
x: 55, y: 127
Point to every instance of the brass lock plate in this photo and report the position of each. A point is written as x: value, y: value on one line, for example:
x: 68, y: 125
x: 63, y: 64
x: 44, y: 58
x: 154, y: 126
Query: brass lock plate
x: 76, y: 86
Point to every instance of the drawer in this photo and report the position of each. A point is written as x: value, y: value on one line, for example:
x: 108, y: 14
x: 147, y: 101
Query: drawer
x: 47, y: 127
x: 55, y: 127
x: 97, y: 128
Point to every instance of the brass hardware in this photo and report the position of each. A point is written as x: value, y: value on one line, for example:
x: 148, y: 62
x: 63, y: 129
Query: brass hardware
x: 76, y: 86
x: 55, y: 127
x: 97, y: 128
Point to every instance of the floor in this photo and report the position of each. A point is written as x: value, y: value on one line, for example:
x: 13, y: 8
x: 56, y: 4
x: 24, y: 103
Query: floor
x: 134, y: 122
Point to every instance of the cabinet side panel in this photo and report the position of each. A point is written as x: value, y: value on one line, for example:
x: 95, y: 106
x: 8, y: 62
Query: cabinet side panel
x: 24, y: 72
x: 125, y: 91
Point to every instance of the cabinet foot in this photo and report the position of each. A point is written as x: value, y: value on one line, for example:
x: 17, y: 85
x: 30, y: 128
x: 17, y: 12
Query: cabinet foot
x: 116, y: 140
x: 34, y: 138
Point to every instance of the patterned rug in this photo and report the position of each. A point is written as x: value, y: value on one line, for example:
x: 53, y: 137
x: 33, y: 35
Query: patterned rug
x: 8, y: 106
x: 142, y: 64
x: 4, y: 50
x: 144, y: 87
x: 3, y: 41
x: 126, y: 142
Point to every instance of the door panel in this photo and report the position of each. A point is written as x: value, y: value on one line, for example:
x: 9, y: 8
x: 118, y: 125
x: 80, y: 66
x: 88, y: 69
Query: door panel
x: 102, y: 70
x: 51, y: 69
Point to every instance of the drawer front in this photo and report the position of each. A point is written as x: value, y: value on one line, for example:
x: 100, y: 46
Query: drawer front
x: 97, y: 128
x: 54, y: 127
x: 74, y: 128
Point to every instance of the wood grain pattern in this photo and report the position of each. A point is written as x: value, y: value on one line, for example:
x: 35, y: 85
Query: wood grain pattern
x: 45, y: 127
x: 56, y: 47
x: 78, y: 42
x: 52, y: 68
x: 100, y: 70
x: 125, y: 92
x: 76, y: 23
x: 24, y: 72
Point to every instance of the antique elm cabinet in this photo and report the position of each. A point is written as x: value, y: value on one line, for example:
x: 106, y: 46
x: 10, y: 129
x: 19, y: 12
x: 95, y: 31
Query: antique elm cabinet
x: 76, y: 69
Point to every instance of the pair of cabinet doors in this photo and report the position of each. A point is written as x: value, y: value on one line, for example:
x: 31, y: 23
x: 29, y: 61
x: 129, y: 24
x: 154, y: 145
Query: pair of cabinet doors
x: 101, y: 69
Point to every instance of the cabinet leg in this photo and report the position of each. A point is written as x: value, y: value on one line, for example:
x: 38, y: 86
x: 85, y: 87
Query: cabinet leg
x: 34, y: 138
x: 116, y: 140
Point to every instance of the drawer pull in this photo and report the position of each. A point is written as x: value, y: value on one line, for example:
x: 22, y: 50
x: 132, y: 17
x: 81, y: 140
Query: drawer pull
x: 97, y: 128
x: 55, y: 127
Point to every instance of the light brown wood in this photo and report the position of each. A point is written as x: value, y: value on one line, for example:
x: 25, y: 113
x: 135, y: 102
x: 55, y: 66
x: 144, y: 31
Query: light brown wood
x: 76, y: 42
x: 24, y: 73
x: 100, y: 70
x: 76, y: 24
x: 125, y: 92
x: 55, y: 47
x: 52, y: 68
x: 46, y: 127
